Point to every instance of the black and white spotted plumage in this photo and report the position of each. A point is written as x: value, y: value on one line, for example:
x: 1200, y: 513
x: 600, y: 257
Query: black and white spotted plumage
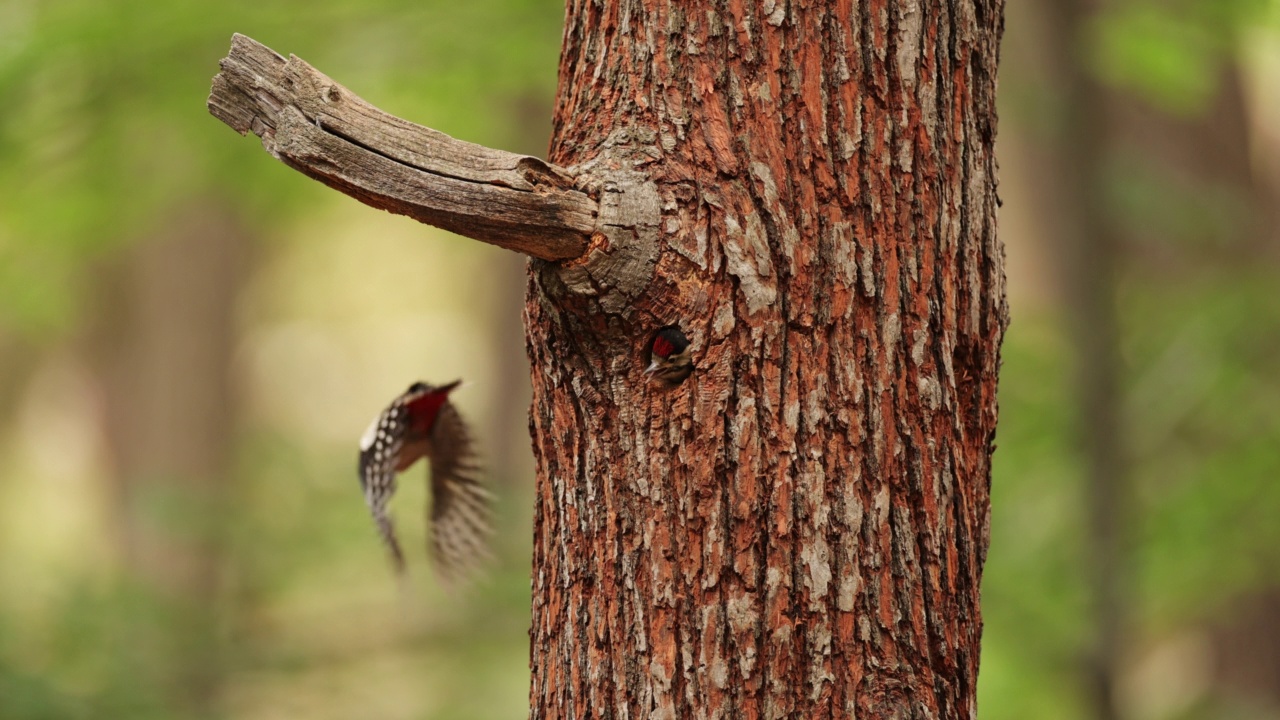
x: 422, y: 423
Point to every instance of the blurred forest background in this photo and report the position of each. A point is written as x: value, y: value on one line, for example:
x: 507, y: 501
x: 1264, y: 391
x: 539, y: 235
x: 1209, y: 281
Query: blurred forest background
x: 193, y: 337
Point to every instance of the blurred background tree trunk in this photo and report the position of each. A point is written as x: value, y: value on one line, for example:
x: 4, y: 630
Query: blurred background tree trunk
x: 166, y: 329
x: 1115, y: 217
x: 799, y: 529
x: 1092, y: 252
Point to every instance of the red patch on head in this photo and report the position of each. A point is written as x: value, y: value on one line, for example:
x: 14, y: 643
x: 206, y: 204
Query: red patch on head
x: 662, y: 347
x: 424, y: 408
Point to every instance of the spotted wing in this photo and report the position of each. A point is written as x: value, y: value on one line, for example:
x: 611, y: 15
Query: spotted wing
x: 460, y: 505
x: 379, y: 454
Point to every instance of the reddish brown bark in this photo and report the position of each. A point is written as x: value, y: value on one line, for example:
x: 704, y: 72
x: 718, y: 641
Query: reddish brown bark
x: 799, y: 529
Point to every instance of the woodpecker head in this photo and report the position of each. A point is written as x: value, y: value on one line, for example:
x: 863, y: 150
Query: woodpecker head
x: 669, y: 358
x: 423, y: 403
x: 413, y: 413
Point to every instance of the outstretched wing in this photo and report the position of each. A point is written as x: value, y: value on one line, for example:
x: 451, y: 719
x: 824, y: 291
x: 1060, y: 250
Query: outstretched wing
x: 459, y: 528
x: 379, y: 453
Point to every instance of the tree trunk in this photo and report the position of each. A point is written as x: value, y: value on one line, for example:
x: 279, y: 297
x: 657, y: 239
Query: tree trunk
x: 798, y: 530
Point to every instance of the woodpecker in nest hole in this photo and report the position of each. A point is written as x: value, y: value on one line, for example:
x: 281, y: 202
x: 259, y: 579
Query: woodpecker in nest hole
x: 422, y: 423
x: 669, y: 357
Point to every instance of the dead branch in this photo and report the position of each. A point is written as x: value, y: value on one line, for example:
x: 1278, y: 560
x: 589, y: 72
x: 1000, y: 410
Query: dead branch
x: 325, y: 131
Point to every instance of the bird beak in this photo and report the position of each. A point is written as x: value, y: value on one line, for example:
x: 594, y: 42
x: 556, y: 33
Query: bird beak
x: 653, y: 367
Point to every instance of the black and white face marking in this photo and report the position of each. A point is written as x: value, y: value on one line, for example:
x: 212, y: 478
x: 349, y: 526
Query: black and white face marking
x: 670, y: 360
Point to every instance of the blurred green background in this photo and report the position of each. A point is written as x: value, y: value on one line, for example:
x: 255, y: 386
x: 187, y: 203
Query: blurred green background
x: 192, y: 336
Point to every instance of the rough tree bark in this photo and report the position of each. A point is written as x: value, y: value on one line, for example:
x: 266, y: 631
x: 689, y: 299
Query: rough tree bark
x: 799, y: 529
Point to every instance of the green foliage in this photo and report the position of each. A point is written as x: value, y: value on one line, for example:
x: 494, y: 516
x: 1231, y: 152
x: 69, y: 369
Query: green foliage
x: 1205, y: 431
x: 1202, y: 423
x: 105, y: 128
x: 1172, y: 54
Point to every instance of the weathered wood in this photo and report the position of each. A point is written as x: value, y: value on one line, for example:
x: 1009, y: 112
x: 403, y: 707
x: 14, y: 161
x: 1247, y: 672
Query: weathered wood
x: 325, y: 131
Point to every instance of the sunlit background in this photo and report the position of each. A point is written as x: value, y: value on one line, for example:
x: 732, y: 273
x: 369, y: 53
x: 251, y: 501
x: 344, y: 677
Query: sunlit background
x: 192, y: 338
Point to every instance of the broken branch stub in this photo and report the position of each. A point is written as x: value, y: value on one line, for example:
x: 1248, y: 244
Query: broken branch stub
x: 325, y: 131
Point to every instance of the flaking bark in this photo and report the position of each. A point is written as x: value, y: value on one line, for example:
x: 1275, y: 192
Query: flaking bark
x: 799, y: 529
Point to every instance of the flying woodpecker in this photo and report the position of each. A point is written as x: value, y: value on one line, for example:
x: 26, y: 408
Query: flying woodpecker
x: 419, y: 423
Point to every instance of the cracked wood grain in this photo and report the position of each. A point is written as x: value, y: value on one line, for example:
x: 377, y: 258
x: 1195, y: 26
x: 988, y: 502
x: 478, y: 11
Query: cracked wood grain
x: 325, y: 131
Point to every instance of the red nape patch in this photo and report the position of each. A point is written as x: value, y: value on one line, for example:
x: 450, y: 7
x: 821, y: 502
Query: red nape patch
x: 425, y: 408
x: 662, y: 347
